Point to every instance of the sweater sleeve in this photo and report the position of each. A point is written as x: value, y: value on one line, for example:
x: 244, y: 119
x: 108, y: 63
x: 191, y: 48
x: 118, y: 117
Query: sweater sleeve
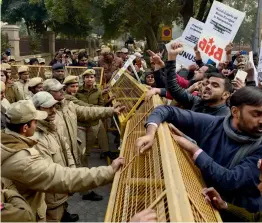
x: 182, y: 96
x: 160, y: 78
x: 241, y: 215
x: 190, y: 123
x: 243, y: 175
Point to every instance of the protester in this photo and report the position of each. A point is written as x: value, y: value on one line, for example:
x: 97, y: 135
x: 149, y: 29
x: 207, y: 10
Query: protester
x: 149, y: 79
x: 109, y: 62
x: 41, y: 61
x: 34, y: 61
x: 124, y: 54
x: 11, y: 60
x: 230, y: 163
x: 34, y: 174
x: 229, y: 212
x: 57, y: 59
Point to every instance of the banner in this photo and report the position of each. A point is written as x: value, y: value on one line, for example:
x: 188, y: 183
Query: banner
x: 122, y: 70
x: 259, y: 67
x: 187, y: 56
x: 192, y: 32
x: 220, y: 28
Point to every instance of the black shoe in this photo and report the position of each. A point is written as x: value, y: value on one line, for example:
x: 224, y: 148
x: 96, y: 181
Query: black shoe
x: 92, y: 196
x: 67, y: 217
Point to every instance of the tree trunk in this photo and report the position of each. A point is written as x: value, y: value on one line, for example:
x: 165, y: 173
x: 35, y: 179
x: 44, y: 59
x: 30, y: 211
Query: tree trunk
x: 152, y: 43
x: 187, y: 11
x: 27, y: 28
x: 202, y: 9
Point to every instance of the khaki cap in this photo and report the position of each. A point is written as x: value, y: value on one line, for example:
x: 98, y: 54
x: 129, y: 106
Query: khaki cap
x: 23, y: 69
x: 52, y: 85
x: 71, y: 79
x: 124, y: 50
x: 41, y: 60
x: 11, y: 58
x: 24, y: 111
x: 2, y: 86
x: 27, y: 60
x: 43, y: 99
x: 89, y: 72
x: 35, y: 81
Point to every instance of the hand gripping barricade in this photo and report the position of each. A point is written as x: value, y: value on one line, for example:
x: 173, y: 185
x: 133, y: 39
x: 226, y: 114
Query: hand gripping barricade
x: 164, y: 178
x: 130, y: 93
x: 46, y: 72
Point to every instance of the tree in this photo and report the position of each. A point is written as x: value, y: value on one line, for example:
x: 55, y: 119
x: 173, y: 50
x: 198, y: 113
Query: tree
x: 140, y: 18
x: 246, y: 31
x: 4, y: 42
x: 69, y: 17
x: 34, y: 15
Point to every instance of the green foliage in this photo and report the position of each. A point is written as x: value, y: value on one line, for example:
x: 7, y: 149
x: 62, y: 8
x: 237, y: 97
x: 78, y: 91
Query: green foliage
x: 246, y: 31
x: 69, y: 17
x: 4, y: 42
x: 34, y: 14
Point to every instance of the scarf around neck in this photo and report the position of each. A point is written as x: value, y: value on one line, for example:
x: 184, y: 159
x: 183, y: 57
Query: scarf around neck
x: 249, y: 144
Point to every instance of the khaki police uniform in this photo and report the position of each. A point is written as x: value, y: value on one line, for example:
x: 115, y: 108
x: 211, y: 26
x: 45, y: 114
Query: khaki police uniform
x: 32, y: 174
x: 89, y: 132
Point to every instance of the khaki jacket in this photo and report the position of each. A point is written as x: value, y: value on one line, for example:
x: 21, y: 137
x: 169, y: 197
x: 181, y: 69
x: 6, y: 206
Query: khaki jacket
x: 69, y: 113
x: 76, y: 101
x: 94, y: 97
x: 33, y: 175
x: 53, y: 139
x: 14, y: 206
x: 21, y: 90
x: 9, y: 93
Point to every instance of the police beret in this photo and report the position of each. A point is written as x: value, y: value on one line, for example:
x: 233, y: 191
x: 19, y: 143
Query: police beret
x: 71, y: 80
x: 89, y: 72
x: 58, y: 66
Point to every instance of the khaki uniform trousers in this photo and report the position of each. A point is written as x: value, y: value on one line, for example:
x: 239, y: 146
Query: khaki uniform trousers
x: 56, y: 214
x: 88, y: 136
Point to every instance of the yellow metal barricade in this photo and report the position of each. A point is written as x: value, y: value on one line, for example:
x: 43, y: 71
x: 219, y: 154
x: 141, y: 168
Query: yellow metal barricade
x: 130, y: 93
x: 164, y: 178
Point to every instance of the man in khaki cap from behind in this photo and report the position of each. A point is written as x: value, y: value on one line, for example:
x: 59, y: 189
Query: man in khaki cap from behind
x: 69, y: 113
x: 20, y: 87
x: 35, y: 85
x: 32, y: 173
x: 51, y: 135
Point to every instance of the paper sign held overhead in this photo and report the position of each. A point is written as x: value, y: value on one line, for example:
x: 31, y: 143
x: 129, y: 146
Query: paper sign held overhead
x: 192, y: 32
x: 122, y: 70
x: 220, y: 28
x: 259, y: 68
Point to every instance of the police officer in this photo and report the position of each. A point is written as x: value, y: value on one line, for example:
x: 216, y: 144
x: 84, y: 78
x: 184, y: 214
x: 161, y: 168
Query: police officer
x: 32, y: 174
x: 20, y: 87
x: 35, y: 85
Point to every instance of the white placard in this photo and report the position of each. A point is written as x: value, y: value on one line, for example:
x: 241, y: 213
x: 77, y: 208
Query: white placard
x: 259, y: 67
x: 122, y: 70
x: 242, y: 75
x: 251, y: 60
x: 220, y: 28
x: 192, y: 32
x: 187, y: 56
x: 224, y: 21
